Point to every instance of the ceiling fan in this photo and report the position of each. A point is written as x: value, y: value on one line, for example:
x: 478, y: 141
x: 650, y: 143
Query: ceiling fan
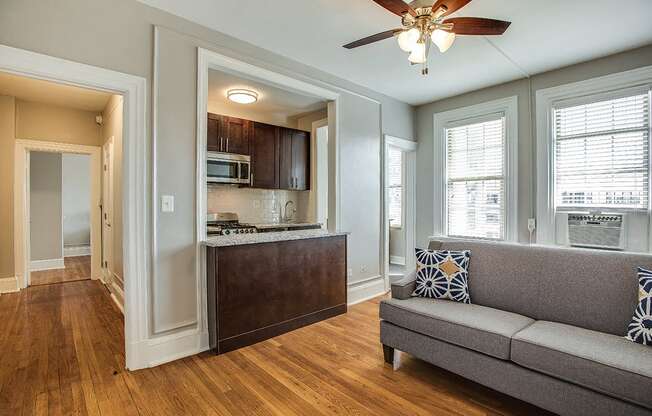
x: 425, y: 23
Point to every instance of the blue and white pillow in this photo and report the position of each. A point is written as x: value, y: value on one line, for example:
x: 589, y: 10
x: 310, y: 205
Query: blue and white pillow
x: 640, y: 329
x: 443, y: 274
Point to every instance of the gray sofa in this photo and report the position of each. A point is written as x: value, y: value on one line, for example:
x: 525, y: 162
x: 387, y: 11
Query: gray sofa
x: 546, y: 325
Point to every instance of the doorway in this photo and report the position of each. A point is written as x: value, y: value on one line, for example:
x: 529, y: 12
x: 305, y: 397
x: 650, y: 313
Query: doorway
x: 59, y: 194
x: 400, y: 207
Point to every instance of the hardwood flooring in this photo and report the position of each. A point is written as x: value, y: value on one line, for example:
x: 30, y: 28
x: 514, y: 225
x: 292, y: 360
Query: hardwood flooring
x: 62, y: 352
x: 76, y: 268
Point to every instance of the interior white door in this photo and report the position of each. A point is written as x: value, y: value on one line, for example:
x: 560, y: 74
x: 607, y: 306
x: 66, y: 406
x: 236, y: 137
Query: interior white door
x: 107, y: 209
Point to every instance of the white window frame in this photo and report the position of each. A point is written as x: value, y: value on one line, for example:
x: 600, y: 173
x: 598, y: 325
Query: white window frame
x: 507, y: 106
x: 546, y: 100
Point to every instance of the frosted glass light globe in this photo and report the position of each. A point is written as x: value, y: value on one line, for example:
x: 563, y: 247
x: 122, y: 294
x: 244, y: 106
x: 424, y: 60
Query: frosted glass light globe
x: 408, y: 39
x: 418, y: 55
x: 444, y: 40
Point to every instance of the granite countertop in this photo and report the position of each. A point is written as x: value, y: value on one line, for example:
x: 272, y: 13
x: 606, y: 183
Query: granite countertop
x: 270, y: 237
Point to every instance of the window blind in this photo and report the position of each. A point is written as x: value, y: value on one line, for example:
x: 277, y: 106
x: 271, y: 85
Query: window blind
x: 602, y: 154
x: 395, y: 186
x: 476, y: 179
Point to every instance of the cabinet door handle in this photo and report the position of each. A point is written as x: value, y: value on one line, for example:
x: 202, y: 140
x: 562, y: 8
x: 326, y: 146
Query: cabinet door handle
x: 221, y: 140
x: 227, y: 145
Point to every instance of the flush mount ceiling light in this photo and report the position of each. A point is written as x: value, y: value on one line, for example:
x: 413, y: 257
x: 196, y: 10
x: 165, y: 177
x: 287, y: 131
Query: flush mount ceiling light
x: 424, y: 25
x: 242, y: 96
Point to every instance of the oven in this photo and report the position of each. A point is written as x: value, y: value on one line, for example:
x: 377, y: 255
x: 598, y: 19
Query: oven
x: 228, y: 168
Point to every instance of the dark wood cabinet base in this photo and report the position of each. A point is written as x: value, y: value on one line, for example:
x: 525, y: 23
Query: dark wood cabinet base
x: 259, y: 291
x: 262, y: 334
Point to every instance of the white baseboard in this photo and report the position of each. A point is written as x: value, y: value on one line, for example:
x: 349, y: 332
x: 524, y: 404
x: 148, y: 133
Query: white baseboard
x: 9, y: 285
x: 397, y: 260
x: 368, y: 289
x: 50, y: 264
x: 76, y: 251
x: 117, y: 295
x: 161, y: 350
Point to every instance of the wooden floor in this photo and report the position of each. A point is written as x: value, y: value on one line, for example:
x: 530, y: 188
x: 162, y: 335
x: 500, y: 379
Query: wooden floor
x: 76, y: 268
x: 62, y: 352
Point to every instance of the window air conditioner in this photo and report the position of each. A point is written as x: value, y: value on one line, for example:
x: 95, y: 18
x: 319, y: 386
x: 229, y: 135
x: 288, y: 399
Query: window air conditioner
x: 603, y: 231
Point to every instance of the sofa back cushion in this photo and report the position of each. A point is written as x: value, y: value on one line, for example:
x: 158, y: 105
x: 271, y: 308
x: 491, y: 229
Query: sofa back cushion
x: 587, y: 288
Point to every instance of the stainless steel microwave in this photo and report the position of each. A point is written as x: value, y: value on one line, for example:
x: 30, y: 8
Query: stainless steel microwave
x: 228, y: 168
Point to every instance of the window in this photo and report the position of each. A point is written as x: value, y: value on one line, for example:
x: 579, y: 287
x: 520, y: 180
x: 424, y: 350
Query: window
x: 475, y: 178
x: 395, y: 186
x: 601, y: 151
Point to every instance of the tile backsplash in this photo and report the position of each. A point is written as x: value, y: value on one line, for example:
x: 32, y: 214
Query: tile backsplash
x: 256, y: 206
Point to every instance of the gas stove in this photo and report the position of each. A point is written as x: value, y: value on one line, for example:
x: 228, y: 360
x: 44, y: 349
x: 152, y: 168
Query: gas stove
x: 227, y: 224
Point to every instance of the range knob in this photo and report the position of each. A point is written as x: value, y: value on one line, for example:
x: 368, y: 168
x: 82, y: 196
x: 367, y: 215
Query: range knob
x: 227, y: 232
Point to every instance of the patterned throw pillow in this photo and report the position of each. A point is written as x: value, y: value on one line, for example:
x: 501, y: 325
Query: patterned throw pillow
x: 443, y: 274
x: 640, y: 329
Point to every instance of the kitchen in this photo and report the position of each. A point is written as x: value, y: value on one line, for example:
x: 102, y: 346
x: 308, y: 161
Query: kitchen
x: 273, y: 264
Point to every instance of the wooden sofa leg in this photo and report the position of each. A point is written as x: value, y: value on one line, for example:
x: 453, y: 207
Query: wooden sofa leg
x: 388, y: 352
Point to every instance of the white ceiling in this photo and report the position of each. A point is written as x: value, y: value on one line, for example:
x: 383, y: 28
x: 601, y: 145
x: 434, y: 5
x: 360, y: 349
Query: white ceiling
x: 544, y: 35
x: 30, y: 89
x: 271, y: 99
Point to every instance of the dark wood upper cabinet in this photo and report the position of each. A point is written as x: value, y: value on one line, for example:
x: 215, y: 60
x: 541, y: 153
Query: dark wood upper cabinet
x: 228, y: 134
x: 280, y: 156
x: 286, y: 175
x: 264, y: 147
x: 213, y: 133
x: 235, y: 133
x: 294, y: 163
x: 301, y: 160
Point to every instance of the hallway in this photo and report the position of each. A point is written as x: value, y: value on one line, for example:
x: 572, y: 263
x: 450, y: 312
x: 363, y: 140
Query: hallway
x: 76, y: 268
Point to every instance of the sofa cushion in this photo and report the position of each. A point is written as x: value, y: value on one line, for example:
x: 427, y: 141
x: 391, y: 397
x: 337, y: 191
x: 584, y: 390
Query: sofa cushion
x: 602, y: 362
x: 475, y: 327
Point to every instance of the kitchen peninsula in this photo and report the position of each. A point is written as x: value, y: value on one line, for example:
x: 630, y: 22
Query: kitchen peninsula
x: 265, y: 284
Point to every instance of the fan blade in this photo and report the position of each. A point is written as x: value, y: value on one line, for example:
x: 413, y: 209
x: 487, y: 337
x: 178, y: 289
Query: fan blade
x: 449, y: 6
x: 398, y: 7
x: 477, y: 26
x: 373, y: 38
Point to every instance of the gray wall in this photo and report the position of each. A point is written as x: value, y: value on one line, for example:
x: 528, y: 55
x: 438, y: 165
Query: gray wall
x: 526, y: 94
x: 76, y: 199
x: 119, y: 35
x: 45, y: 206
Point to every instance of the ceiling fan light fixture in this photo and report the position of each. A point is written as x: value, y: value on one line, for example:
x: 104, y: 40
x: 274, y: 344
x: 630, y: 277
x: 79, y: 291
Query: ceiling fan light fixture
x: 408, y: 39
x: 242, y: 96
x: 418, y: 54
x: 444, y: 40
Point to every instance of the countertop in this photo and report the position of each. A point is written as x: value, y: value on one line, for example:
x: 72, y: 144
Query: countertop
x: 270, y: 237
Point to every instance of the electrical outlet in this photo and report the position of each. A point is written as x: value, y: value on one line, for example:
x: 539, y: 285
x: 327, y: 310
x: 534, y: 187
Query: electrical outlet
x: 256, y: 203
x: 350, y: 273
x: 363, y: 269
x: 531, y: 224
x: 167, y: 203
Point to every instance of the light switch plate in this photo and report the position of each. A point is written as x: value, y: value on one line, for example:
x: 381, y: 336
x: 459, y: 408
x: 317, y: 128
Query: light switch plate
x: 167, y: 203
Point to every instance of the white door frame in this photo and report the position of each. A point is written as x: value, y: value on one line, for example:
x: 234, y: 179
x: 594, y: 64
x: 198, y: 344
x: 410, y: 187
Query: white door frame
x: 136, y: 170
x: 107, y: 201
x: 409, y: 147
x: 314, y: 175
x: 22, y: 243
